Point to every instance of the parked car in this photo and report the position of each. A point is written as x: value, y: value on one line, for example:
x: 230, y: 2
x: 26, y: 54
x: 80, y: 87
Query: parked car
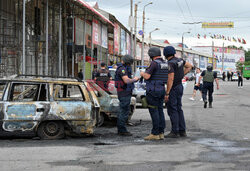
x: 235, y: 77
x: 47, y: 106
x: 219, y: 73
x: 109, y: 104
x: 140, y: 89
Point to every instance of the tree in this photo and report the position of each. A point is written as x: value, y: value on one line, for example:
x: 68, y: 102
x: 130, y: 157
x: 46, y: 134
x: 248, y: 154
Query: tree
x: 239, y: 65
x: 247, y: 55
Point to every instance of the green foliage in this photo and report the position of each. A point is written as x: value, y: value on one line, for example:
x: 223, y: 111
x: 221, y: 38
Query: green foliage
x: 239, y: 65
x: 247, y: 56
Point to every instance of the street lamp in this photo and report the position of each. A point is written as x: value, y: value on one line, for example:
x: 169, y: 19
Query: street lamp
x: 143, y: 23
x: 150, y: 35
x: 182, y: 52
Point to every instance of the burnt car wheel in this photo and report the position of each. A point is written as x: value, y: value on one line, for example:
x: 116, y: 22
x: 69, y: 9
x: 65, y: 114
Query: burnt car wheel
x: 51, y: 130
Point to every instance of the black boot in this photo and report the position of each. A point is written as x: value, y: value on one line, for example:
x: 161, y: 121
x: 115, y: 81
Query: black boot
x: 205, y: 104
x: 210, y: 105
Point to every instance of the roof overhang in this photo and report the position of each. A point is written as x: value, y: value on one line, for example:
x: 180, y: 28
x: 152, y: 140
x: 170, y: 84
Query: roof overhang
x: 85, y: 4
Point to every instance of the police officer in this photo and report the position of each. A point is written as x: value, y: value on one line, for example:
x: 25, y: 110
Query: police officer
x: 156, y: 76
x: 208, y: 85
x: 176, y: 71
x: 125, y: 85
x: 103, y: 77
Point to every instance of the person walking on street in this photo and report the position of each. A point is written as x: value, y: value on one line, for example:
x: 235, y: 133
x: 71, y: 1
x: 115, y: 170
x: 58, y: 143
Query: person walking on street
x: 156, y: 76
x: 228, y: 76
x: 80, y: 75
x: 177, y: 68
x: 240, y: 80
x: 125, y: 85
x: 94, y: 72
x: 224, y: 76
x: 102, y: 77
x: 208, y: 85
x: 232, y: 74
x: 196, y: 87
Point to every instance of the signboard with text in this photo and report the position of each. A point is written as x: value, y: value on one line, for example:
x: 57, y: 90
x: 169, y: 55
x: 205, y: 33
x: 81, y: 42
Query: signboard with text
x: 96, y: 32
x: 218, y: 25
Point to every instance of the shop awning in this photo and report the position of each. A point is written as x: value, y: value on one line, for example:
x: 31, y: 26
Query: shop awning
x: 85, y: 4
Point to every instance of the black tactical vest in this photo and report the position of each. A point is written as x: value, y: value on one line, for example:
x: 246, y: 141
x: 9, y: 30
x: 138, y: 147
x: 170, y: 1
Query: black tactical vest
x: 103, y: 75
x: 160, y: 77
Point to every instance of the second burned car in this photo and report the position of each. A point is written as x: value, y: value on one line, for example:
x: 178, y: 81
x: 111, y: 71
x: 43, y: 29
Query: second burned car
x: 109, y: 104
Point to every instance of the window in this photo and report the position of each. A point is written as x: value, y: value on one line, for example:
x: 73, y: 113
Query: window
x: 28, y: 92
x: 2, y: 86
x: 63, y: 92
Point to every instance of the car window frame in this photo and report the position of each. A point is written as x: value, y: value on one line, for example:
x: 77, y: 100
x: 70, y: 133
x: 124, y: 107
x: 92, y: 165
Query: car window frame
x: 84, y: 99
x: 4, y: 90
x: 27, y: 83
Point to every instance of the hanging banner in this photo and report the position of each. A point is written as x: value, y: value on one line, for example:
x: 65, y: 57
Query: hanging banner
x: 123, y: 42
x: 116, y: 37
x: 111, y: 47
x: 128, y: 51
x: 218, y: 25
x: 96, y: 32
x: 104, y: 36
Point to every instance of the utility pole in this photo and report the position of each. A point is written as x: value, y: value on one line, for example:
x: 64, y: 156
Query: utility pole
x: 131, y: 27
x: 135, y: 28
x: 182, y: 38
x: 24, y: 38
x: 223, y: 51
x: 213, y: 54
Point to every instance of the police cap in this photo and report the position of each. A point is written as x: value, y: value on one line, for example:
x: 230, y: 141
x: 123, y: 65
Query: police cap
x: 169, y: 51
x: 154, y: 51
x: 103, y: 64
x: 127, y: 59
x: 209, y: 68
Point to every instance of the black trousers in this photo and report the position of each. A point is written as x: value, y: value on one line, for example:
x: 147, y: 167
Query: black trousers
x: 208, y: 88
x: 240, y: 81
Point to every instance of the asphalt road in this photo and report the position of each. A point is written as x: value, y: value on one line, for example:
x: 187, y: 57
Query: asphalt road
x: 218, y: 139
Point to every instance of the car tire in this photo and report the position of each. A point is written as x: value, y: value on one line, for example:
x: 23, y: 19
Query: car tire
x: 51, y: 130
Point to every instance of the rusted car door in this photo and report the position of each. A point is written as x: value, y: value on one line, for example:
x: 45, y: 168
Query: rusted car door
x: 25, y: 106
x: 72, y: 104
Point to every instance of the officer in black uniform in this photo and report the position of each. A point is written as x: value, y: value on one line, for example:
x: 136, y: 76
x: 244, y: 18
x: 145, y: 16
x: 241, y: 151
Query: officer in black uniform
x: 103, y: 77
x: 208, y: 85
x: 156, y: 76
x: 125, y: 85
x: 176, y: 71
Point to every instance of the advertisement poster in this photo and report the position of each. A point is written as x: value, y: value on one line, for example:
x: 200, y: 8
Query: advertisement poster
x: 128, y: 51
x: 189, y: 58
x: 138, y: 51
x: 96, y: 33
x: 123, y: 42
x: 196, y: 61
x: 111, y: 47
x: 88, y: 35
x: 202, y: 63
x: 117, y: 38
x: 104, y: 36
x: 79, y: 31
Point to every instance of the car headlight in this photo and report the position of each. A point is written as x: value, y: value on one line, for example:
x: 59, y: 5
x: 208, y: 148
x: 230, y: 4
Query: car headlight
x: 114, y: 102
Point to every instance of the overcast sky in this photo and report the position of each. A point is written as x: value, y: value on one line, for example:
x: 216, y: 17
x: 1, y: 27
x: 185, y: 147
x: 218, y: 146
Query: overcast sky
x: 168, y: 16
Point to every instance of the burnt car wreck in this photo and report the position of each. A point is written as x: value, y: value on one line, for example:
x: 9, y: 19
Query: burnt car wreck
x: 47, y: 106
x: 109, y: 104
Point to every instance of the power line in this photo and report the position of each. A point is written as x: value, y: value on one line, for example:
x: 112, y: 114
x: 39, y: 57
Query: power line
x: 180, y: 8
x: 189, y: 10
